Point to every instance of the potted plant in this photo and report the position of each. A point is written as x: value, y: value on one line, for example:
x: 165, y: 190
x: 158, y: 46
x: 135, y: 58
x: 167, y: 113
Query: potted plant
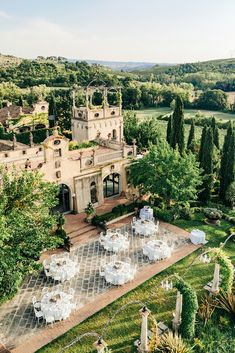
x: 213, y: 215
x: 90, y: 212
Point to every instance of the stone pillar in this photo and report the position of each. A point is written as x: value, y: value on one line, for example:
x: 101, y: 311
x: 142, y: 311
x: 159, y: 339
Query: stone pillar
x: 144, y: 312
x: 93, y: 156
x: 31, y: 139
x: 215, y: 283
x: 100, y: 345
x: 123, y: 147
x: 81, y: 161
x: 120, y: 132
x: 134, y: 147
x: 177, y: 315
x: 14, y: 142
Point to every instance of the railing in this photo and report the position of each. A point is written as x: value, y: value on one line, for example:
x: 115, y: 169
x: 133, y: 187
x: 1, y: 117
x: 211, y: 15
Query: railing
x: 108, y: 157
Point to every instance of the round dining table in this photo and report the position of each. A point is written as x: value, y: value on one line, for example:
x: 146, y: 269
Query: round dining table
x: 57, y: 304
x: 115, y: 242
x: 144, y: 227
x: 156, y: 250
x: 197, y: 236
x: 119, y: 272
x: 62, y: 269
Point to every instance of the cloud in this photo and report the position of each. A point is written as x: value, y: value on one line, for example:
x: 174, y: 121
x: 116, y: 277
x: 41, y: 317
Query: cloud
x: 3, y: 14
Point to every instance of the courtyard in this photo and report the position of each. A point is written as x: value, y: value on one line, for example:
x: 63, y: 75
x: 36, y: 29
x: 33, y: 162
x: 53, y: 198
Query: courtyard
x: 18, y: 322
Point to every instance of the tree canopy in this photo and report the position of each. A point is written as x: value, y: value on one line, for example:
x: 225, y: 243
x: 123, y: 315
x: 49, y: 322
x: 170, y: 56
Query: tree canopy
x: 166, y: 173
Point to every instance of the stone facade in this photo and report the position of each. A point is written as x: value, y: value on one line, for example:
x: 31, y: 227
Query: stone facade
x: 84, y: 175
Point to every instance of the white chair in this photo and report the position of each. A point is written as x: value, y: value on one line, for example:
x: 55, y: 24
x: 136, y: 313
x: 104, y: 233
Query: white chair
x: 47, y: 272
x: 38, y: 314
x: 44, y: 290
x: 49, y: 319
x: 102, y: 272
x: 46, y: 263
x: 36, y: 303
x: 134, y: 219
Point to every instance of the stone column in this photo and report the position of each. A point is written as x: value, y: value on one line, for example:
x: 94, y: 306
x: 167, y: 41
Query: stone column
x: 93, y: 156
x: 134, y: 147
x: 215, y: 283
x: 81, y: 161
x: 14, y: 142
x: 120, y: 132
x: 144, y: 312
x: 177, y: 315
x: 100, y: 345
x: 31, y: 139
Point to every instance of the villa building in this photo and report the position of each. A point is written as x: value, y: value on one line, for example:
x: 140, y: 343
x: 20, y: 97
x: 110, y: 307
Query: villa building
x: 84, y: 175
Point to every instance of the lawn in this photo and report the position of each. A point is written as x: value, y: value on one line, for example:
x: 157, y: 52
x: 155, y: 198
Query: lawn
x: 125, y: 328
x: 156, y: 112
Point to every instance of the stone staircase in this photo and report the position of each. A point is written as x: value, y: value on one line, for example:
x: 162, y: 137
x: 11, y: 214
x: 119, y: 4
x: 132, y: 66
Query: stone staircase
x: 84, y: 232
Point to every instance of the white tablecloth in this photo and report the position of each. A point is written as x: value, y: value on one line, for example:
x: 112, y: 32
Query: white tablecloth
x: 197, y: 237
x: 115, y: 242
x: 146, y: 212
x: 63, y: 269
x: 60, y: 309
x: 119, y: 272
x: 157, y: 250
x: 146, y: 228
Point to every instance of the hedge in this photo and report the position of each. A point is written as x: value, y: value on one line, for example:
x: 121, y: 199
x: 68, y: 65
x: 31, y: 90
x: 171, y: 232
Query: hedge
x: 116, y: 212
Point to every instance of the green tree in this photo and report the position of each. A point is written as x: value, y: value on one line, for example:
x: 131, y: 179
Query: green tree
x: 169, y: 130
x: 148, y: 133
x: 26, y: 225
x: 227, y: 169
x: 207, y: 166
x: 215, y: 132
x: 213, y: 100
x: 191, y: 138
x: 166, y: 173
x: 202, y: 143
x: 130, y: 127
x: 177, y: 139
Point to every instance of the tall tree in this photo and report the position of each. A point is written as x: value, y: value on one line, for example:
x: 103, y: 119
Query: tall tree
x: 227, y: 162
x: 215, y: 132
x: 52, y: 111
x: 26, y: 225
x: 202, y: 143
x: 191, y: 138
x: 177, y: 139
x: 169, y: 130
x: 207, y: 166
x: 182, y: 171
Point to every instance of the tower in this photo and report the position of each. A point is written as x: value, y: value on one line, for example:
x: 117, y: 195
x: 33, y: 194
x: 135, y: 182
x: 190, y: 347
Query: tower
x: 104, y: 121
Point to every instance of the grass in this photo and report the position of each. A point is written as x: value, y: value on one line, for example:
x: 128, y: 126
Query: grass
x: 125, y: 328
x: 156, y: 112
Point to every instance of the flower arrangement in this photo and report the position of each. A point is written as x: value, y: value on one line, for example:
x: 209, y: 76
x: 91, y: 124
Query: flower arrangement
x: 213, y: 214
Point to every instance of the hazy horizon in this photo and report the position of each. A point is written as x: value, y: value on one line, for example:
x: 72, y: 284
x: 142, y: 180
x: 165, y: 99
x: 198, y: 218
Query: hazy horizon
x: 149, y: 31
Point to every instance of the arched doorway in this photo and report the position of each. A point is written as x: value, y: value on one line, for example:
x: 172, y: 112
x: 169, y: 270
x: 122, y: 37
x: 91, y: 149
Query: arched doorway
x: 111, y: 185
x: 64, y: 199
x: 114, y: 134
x: 93, y: 192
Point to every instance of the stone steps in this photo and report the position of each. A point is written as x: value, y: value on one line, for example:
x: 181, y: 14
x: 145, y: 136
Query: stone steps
x: 83, y: 234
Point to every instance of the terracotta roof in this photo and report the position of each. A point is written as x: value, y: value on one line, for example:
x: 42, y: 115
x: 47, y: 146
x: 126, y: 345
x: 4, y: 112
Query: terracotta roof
x: 13, y: 112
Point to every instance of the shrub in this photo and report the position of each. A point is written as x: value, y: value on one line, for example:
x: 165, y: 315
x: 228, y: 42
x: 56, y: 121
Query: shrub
x: 170, y: 343
x: 213, y: 213
x: 206, y: 308
x: 164, y: 214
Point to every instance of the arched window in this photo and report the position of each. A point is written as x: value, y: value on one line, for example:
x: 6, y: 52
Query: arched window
x: 114, y: 134
x: 93, y: 192
x: 111, y: 185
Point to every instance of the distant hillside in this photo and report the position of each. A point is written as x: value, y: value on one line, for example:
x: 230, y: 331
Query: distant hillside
x: 123, y: 65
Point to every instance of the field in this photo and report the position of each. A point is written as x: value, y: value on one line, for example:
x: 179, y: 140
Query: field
x: 156, y: 112
x: 125, y: 328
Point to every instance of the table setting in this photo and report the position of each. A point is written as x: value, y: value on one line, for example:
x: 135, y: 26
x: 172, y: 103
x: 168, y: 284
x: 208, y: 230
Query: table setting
x: 57, y: 304
x: 114, y: 241
x: 119, y: 272
x: 156, y: 250
x: 144, y: 227
x: 197, y: 236
x: 146, y: 213
x: 62, y: 269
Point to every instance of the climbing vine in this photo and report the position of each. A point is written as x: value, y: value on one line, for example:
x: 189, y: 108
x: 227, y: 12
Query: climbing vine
x: 189, y: 307
x: 226, y: 268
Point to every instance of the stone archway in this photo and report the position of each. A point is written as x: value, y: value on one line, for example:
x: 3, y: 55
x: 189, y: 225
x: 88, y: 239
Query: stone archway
x: 111, y: 185
x: 64, y: 197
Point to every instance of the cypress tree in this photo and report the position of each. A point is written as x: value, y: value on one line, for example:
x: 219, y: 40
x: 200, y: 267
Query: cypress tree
x: 191, y: 138
x: 227, y: 162
x: 215, y: 132
x: 177, y: 136
x: 21, y: 102
x: 202, y: 143
x: 169, y: 130
x: 52, y: 110
x: 207, y: 165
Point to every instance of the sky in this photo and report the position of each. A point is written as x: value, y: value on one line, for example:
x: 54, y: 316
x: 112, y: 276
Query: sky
x: 158, y: 31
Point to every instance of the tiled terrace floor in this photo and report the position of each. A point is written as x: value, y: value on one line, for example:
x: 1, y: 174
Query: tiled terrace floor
x: 17, y: 319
